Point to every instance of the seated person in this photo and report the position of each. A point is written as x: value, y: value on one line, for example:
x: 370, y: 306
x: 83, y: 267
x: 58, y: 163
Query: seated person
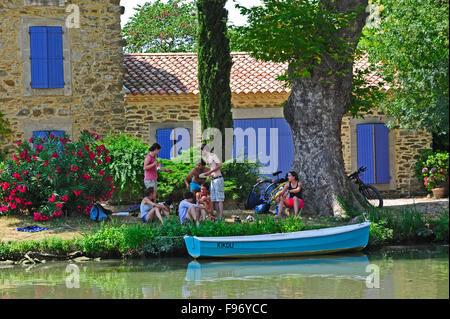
x: 188, y: 209
x: 166, y: 206
x: 193, y: 181
x: 291, y: 195
x: 204, y: 200
x: 150, y: 211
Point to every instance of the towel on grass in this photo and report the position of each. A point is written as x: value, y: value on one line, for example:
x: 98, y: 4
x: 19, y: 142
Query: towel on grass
x: 32, y: 229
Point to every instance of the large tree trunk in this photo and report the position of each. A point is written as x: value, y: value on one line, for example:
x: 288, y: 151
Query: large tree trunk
x: 314, y: 111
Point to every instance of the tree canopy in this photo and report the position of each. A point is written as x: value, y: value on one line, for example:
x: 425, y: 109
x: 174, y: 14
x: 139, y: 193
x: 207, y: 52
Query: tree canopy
x: 162, y: 27
x: 410, y: 49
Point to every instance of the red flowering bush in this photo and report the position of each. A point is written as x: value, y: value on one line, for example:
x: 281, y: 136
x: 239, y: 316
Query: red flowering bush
x: 50, y: 176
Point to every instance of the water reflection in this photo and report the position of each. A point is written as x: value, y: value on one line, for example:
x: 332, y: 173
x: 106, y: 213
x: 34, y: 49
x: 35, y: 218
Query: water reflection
x: 405, y: 272
x: 350, y: 266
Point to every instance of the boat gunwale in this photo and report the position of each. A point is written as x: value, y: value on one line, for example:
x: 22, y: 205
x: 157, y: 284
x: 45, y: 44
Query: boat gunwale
x: 303, y: 234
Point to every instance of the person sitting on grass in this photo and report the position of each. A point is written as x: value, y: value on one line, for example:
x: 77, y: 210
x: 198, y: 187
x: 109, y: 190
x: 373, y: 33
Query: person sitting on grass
x: 188, y: 209
x: 204, y: 200
x: 150, y: 211
x: 291, y: 195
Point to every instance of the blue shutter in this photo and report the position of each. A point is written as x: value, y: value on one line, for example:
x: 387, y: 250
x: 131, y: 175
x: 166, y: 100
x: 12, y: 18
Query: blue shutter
x: 39, y: 54
x: 163, y: 138
x: 182, y: 147
x: 40, y: 134
x: 381, y: 154
x: 285, y: 143
x: 285, y: 146
x: 55, y: 57
x: 47, y: 60
x: 364, y: 133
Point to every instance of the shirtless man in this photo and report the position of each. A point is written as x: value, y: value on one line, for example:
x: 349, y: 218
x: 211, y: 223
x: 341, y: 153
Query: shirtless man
x: 217, y: 183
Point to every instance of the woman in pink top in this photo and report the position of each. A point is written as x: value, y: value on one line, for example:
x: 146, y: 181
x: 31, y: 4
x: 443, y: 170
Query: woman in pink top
x: 150, y: 167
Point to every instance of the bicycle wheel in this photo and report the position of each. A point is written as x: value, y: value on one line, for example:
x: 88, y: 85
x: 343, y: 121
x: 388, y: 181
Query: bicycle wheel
x: 254, y: 196
x: 371, y: 195
x: 272, y: 193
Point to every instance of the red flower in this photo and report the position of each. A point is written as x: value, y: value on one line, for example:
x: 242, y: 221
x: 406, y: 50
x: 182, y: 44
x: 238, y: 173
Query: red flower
x: 73, y: 168
x: 107, y: 159
x: 65, y: 198
x: 52, y: 199
x: 37, y: 216
x: 99, y: 161
x: 30, y: 140
x: 59, y: 205
x: 77, y: 193
x: 55, y: 155
x: 101, y: 172
x: 21, y: 188
x: 17, y: 176
x: 45, y: 163
x: 5, y: 186
x: 19, y: 142
x: 3, y: 208
x: 86, y: 177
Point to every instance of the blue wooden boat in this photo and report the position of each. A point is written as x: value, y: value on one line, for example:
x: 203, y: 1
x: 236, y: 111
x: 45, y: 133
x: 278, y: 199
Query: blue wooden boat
x: 344, y: 265
x: 307, y: 242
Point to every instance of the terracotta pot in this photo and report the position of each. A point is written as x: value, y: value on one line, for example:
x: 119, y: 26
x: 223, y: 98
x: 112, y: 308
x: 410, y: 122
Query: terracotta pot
x: 438, y: 192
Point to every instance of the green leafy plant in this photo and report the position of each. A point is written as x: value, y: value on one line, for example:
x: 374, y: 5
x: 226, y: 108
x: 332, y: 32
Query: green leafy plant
x: 128, y: 153
x: 48, y: 176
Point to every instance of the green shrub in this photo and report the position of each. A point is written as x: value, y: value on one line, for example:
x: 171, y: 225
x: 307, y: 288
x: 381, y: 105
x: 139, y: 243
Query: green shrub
x: 379, y: 234
x: 128, y: 153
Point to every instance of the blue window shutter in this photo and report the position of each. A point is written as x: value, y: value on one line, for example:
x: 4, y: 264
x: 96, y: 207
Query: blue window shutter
x: 55, y: 57
x: 40, y: 134
x: 163, y: 138
x: 39, y: 57
x: 180, y: 146
x: 57, y: 133
x: 285, y: 146
x: 364, y: 133
x: 381, y: 154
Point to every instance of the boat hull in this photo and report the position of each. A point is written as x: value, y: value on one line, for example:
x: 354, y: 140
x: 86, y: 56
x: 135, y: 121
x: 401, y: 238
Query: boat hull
x: 311, y: 242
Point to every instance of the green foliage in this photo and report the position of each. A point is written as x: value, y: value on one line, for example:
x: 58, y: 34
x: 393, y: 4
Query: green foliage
x: 128, y: 153
x: 379, y: 234
x: 162, y: 26
x: 410, y: 47
x: 55, y: 175
x: 431, y: 168
x: 214, y: 67
x: 299, y: 32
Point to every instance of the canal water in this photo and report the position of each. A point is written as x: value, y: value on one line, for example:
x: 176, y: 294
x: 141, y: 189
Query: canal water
x: 393, y: 272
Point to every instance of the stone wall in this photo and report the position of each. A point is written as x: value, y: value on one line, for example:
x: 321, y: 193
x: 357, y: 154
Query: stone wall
x: 93, y: 96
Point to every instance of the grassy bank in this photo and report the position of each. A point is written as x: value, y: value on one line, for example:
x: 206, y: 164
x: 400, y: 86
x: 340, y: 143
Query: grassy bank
x: 115, y: 240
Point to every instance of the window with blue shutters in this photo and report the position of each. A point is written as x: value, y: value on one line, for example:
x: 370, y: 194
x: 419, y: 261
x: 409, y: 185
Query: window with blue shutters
x: 284, y: 141
x: 373, y: 152
x: 46, y: 134
x: 170, y: 147
x: 47, y: 59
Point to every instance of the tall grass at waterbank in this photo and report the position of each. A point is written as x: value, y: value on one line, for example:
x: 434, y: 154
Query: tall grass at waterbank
x: 113, y: 240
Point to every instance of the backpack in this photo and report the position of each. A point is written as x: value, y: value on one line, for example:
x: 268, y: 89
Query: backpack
x: 98, y: 213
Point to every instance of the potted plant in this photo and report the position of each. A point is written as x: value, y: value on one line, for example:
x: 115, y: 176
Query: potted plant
x: 435, y: 180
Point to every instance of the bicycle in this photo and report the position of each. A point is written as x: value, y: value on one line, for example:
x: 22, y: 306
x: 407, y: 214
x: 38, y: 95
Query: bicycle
x: 273, y: 191
x: 369, y: 192
x: 262, y: 191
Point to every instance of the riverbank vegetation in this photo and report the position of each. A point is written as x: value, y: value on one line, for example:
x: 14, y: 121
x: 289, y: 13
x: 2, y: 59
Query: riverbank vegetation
x: 111, y: 239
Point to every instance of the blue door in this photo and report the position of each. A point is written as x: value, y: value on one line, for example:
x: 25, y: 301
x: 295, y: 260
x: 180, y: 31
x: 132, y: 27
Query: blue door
x: 280, y: 141
x: 373, y: 152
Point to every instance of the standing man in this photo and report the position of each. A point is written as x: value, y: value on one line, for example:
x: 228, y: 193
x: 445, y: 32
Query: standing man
x: 217, y: 182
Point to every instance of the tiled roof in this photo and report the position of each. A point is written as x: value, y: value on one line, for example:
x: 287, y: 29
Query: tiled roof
x: 176, y: 73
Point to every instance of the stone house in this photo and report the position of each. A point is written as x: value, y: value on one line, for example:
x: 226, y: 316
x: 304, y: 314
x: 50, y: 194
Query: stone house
x: 61, y: 66
x: 162, y: 95
x: 62, y: 69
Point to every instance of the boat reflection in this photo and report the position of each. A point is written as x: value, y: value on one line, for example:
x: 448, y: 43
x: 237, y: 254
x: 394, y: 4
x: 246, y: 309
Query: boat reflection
x: 349, y: 265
